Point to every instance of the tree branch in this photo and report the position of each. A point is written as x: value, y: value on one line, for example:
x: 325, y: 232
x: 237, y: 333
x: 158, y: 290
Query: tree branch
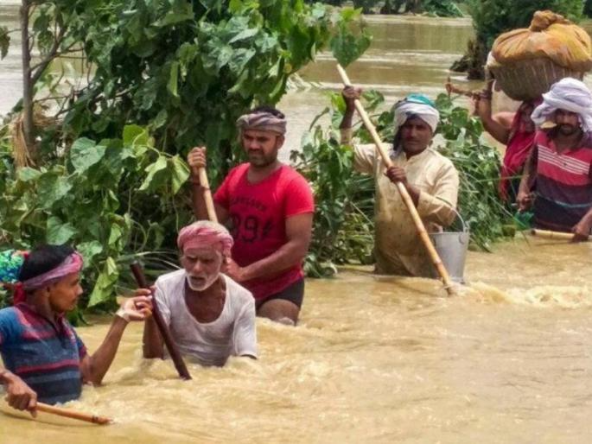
x: 40, y: 67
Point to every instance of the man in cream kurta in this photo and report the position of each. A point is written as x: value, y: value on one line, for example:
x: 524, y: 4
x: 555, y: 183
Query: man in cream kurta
x: 430, y: 178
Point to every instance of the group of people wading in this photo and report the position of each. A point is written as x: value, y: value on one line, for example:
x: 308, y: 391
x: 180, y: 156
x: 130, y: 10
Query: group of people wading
x: 227, y: 278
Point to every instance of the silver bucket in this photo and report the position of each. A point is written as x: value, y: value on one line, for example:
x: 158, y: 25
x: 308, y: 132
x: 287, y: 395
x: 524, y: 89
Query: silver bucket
x: 452, y: 248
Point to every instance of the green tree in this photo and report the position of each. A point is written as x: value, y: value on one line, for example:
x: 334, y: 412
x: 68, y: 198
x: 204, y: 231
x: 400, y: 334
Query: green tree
x: 158, y: 78
x: 494, y: 17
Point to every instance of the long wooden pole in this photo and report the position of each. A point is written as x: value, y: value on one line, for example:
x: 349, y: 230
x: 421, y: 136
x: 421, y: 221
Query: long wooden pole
x: 161, y: 324
x: 205, y: 184
x: 100, y: 420
x: 553, y: 234
x: 421, y: 231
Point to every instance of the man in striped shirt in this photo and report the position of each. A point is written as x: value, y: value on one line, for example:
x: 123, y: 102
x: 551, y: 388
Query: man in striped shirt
x: 561, y: 161
x: 44, y: 358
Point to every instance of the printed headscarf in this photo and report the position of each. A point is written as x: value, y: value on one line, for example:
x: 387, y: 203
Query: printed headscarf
x: 205, y: 234
x: 570, y: 95
x: 416, y: 105
x: 262, y: 121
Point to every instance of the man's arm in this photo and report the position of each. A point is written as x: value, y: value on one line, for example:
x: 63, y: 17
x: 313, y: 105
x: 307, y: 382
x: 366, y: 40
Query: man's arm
x: 298, y: 233
x: 245, y: 332
x: 524, y: 196
x: 439, y: 207
x: 349, y: 94
x: 494, y: 125
x: 196, y: 160
x: 95, y: 367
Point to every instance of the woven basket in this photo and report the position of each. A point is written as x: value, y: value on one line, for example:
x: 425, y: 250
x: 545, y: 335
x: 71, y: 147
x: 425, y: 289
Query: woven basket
x: 529, y: 79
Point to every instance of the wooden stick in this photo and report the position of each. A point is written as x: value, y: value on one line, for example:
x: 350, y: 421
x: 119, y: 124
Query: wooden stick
x: 162, y: 327
x: 205, y: 184
x: 553, y: 234
x: 450, y: 88
x: 421, y: 231
x: 100, y: 420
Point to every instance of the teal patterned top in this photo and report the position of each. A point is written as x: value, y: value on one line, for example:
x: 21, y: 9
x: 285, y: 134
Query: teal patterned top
x: 11, y: 262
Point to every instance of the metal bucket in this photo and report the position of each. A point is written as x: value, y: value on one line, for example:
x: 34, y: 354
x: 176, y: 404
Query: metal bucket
x: 452, y: 248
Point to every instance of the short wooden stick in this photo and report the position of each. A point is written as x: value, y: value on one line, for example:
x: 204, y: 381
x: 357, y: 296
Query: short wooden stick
x: 553, y: 234
x: 94, y: 419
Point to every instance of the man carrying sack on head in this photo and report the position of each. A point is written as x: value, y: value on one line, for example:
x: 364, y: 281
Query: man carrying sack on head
x: 430, y: 179
x: 561, y: 161
x: 270, y: 208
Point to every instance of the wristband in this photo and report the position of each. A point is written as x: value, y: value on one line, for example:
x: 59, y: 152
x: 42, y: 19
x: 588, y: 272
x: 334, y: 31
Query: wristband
x: 123, y: 314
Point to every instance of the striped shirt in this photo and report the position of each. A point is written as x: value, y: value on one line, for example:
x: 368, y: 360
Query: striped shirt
x: 563, y: 183
x: 45, y: 355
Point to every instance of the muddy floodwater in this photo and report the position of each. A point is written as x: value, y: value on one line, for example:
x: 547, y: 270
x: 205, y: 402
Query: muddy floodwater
x: 374, y: 359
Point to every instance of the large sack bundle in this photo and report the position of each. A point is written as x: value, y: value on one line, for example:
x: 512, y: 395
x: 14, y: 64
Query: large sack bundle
x: 526, y: 62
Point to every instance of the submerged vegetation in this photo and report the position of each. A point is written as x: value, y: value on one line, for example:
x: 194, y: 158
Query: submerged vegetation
x: 344, y: 218
x: 100, y: 163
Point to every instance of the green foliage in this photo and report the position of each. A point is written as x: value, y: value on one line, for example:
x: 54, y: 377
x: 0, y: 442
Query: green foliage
x: 344, y: 217
x: 112, y: 199
x: 160, y: 78
x: 479, y: 166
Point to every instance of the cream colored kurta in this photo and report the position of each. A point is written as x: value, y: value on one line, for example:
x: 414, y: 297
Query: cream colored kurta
x: 398, y: 248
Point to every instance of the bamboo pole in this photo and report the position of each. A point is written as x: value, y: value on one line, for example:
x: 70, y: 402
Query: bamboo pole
x: 205, y: 184
x: 421, y: 231
x: 100, y: 420
x: 161, y: 324
x: 553, y: 234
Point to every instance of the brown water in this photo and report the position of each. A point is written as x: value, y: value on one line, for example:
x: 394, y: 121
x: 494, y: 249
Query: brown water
x: 374, y: 360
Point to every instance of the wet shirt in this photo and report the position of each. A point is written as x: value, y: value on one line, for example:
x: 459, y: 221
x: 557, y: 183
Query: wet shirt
x: 563, y: 184
x: 398, y: 248
x: 210, y: 343
x: 259, y: 212
x: 46, y: 356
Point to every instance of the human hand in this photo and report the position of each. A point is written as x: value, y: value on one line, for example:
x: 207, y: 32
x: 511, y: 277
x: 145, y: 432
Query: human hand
x: 19, y: 395
x: 396, y: 174
x: 581, y: 231
x: 233, y: 270
x: 482, y: 105
x: 524, y: 201
x: 350, y: 94
x: 137, y: 308
x: 197, y: 158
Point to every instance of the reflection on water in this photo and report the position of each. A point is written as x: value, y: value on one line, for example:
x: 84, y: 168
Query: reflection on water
x: 375, y: 359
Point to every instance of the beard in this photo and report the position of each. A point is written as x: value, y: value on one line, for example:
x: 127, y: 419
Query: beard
x: 259, y: 159
x: 567, y: 130
x: 201, y: 283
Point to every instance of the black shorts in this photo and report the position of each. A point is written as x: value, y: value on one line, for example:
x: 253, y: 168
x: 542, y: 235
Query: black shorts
x: 293, y: 293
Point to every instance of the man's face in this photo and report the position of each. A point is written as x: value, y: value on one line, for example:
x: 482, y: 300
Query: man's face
x: 202, y: 266
x: 567, y: 122
x: 415, y: 135
x: 261, y: 146
x: 64, y: 294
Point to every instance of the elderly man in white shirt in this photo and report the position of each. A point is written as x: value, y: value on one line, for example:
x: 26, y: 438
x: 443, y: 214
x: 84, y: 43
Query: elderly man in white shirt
x: 210, y: 316
x: 430, y: 178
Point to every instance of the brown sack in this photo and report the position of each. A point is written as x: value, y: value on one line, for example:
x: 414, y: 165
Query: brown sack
x: 550, y: 36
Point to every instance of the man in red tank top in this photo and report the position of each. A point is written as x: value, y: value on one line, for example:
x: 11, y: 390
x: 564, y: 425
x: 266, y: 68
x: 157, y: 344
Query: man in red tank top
x: 269, y: 208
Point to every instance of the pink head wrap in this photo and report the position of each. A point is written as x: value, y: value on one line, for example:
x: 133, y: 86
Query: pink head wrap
x: 262, y: 121
x: 72, y: 264
x: 205, y: 234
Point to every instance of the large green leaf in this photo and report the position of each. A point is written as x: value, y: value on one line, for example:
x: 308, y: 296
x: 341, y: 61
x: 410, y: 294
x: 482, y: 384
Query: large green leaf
x: 180, y: 173
x: 85, y: 153
x: 52, y: 188
x: 154, y: 171
x: 58, y: 232
x: 104, y: 288
x: 89, y: 250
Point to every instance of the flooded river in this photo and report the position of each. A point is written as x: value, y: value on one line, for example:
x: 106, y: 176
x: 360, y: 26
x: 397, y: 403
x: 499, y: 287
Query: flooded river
x: 374, y: 360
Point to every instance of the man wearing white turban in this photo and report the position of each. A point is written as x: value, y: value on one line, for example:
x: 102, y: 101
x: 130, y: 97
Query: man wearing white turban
x: 430, y: 178
x: 561, y: 161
